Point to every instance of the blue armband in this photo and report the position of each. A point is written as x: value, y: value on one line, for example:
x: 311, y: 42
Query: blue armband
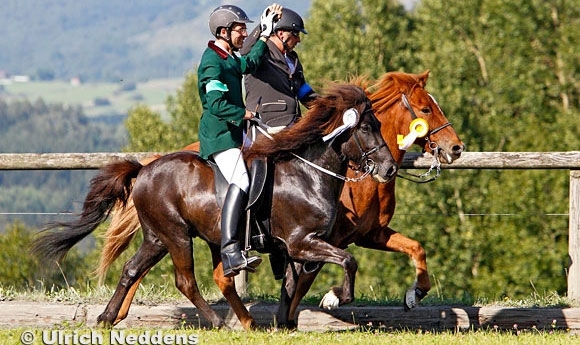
x: 305, y: 89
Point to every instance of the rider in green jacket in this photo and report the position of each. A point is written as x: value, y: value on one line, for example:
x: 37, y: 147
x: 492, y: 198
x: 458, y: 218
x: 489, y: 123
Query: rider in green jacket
x: 221, y: 129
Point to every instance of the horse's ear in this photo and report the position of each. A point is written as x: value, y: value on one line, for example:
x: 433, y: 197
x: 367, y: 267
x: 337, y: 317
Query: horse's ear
x: 350, y: 119
x: 423, y: 78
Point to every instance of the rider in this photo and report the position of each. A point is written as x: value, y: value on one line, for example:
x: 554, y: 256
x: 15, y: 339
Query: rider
x: 278, y: 86
x: 221, y: 126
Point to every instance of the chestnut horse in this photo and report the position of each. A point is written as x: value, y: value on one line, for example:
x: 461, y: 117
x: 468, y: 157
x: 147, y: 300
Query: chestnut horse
x: 175, y: 199
x: 366, y: 208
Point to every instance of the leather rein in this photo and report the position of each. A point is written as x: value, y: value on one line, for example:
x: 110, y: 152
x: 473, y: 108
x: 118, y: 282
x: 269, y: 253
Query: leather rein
x: 365, y: 162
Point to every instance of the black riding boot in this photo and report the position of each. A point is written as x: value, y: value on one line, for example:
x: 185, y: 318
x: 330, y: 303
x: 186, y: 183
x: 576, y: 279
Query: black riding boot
x: 233, y: 259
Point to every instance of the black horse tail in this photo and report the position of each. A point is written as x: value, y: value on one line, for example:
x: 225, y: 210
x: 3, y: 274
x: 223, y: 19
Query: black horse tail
x: 110, y: 186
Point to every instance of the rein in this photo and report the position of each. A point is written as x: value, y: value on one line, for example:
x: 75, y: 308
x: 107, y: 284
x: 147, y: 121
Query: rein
x: 368, y: 166
x: 432, y: 146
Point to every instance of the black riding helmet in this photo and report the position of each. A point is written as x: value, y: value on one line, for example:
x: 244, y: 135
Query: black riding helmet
x: 290, y: 21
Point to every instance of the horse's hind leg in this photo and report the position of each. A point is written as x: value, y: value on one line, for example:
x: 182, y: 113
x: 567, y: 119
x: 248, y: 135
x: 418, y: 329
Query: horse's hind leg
x: 389, y: 240
x: 228, y: 288
x: 150, y: 252
x: 181, y: 251
x: 124, y: 310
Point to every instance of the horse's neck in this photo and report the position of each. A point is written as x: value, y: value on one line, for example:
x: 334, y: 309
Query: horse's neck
x: 325, y: 157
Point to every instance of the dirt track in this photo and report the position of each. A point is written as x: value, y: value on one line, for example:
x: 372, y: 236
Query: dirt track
x: 27, y: 314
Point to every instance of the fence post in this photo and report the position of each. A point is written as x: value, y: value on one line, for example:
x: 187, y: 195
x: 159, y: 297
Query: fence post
x: 574, y: 237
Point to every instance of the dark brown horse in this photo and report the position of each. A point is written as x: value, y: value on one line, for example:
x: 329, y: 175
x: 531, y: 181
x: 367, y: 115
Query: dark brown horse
x: 175, y: 200
x: 366, y: 208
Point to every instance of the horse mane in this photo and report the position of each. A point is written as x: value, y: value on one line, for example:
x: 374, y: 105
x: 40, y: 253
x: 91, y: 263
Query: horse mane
x: 320, y: 119
x: 388, y: 89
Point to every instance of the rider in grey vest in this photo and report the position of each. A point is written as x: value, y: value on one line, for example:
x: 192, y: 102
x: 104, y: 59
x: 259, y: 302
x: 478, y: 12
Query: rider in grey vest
x: 278, y: 86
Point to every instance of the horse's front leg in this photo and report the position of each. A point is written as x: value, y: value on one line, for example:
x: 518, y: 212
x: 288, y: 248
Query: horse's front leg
x: 297, y: 281
x: 313, y: 250
x: 287, y: 293
x: 387, y: 239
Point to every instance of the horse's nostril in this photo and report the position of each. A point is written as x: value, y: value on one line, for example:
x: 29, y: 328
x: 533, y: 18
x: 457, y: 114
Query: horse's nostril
x: 393, y: 170
x: 458, y: 149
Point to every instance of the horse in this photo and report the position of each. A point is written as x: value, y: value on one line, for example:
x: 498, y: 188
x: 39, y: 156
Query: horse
x: 366, y: 208
x: 175, y: 198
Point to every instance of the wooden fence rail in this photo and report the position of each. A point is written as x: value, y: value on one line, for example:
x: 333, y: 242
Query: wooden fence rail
x: 569, y: 160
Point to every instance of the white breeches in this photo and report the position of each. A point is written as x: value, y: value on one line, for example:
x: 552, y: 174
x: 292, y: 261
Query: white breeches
x: 232, y: 166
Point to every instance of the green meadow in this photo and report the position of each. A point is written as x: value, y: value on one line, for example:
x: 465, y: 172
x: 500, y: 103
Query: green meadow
x: 222, y: 337
x: 96, y: 99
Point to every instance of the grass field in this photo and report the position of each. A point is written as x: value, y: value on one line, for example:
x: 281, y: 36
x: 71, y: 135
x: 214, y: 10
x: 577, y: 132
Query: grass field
x: 121, y: 96
x: 222, y: 337
x: 81, y: 334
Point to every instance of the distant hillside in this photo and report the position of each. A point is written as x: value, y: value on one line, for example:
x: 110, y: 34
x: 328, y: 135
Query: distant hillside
x: 108, y: 40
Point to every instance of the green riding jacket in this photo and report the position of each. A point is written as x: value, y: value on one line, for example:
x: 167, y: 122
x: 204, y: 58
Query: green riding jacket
x: 220, y: 90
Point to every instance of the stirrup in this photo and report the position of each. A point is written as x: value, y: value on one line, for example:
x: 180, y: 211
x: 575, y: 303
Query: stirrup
x: 249, y: 265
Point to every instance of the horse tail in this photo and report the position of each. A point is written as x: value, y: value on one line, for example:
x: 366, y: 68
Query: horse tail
x: 122, y: 229
x: 112, y: 185
x: 124, y: 226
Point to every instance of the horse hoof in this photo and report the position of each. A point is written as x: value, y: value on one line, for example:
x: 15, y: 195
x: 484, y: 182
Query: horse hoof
x: 330, y: 301
x: 103, y: 323
x: 289, y: 325
x: 410, y: 299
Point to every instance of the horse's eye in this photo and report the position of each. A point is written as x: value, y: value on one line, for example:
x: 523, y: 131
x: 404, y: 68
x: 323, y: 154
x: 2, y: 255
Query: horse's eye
x: 426, y: 110
x: 365, y: 128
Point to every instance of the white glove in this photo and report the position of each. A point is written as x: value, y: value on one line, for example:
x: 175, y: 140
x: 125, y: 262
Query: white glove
x: 267, y: 21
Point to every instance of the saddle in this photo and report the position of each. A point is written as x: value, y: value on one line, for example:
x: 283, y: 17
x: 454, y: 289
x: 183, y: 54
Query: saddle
x: 258, y: 209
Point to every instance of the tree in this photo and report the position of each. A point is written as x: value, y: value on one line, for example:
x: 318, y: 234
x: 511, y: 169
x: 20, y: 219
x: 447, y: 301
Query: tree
x: 495, y: 70
x: 505, y: 75
x: 22, y: 270
x: 149, y: 132
x: 348, y: 38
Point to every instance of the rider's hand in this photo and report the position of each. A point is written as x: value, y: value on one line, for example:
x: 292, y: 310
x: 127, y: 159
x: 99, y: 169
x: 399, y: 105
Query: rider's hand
x: 269, y: 17
x: 249, y: 115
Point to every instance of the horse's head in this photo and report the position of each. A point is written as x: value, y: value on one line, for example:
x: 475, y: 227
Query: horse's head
x: 358, y: 132
x: 401, y: 99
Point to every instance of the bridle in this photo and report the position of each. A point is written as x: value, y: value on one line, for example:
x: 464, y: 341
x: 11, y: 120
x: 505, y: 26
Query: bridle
x: 433, y: 146
x: 365, y: 161
x: 366, y: 164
